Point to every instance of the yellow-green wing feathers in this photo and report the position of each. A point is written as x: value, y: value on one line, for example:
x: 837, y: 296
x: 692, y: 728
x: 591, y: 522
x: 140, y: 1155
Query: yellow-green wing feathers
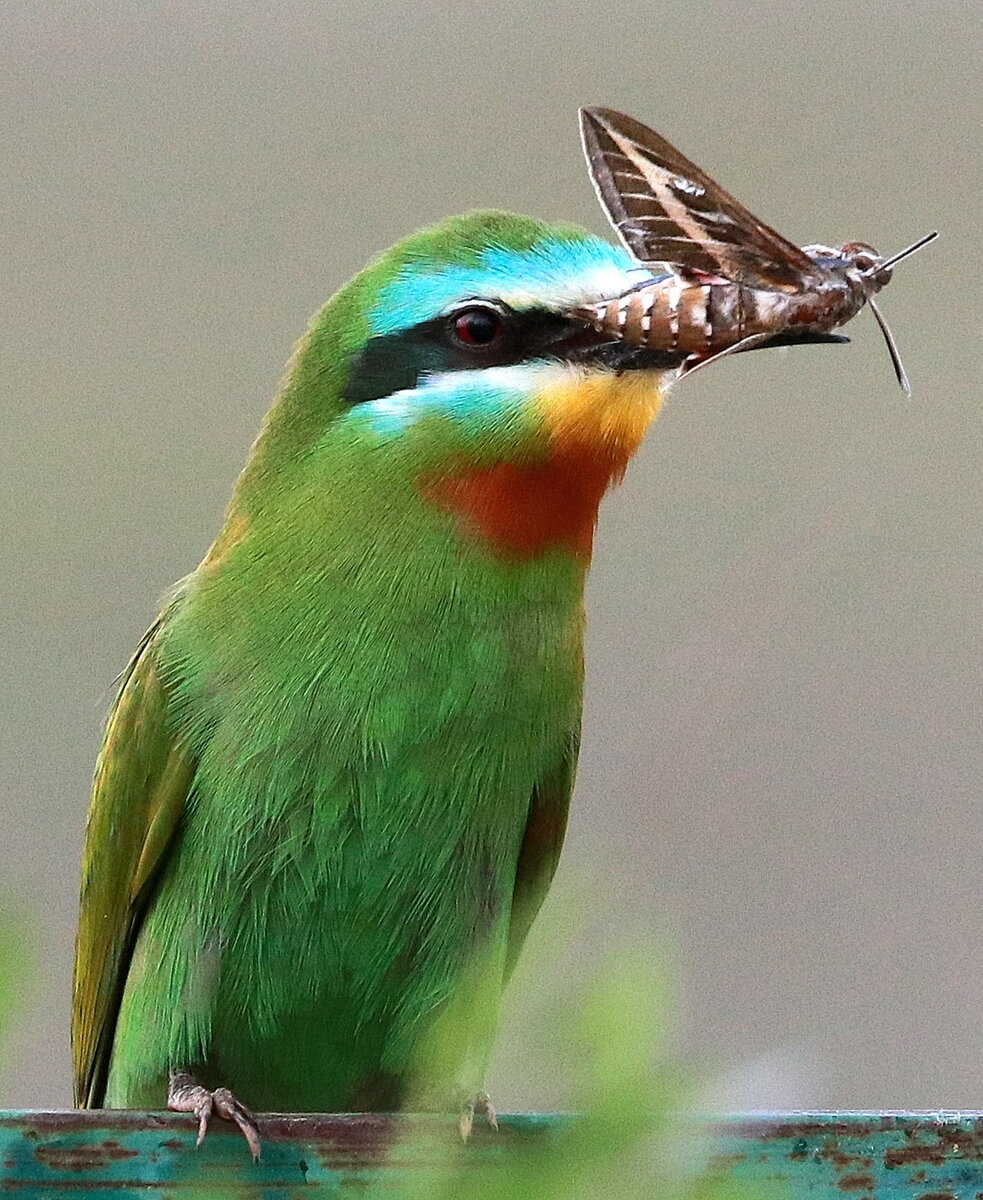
x: 539, y: 854
x: 141, y: 782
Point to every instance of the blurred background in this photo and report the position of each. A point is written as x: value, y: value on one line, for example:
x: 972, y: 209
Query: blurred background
x: 781, y: 768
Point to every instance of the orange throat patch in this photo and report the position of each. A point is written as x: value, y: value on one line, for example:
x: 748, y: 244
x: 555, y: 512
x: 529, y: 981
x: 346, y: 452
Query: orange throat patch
x: 525, y: 510
x: 594, y: 422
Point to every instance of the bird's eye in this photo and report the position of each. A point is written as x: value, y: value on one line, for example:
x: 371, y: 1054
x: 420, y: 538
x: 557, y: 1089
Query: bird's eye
x: 478, y: 325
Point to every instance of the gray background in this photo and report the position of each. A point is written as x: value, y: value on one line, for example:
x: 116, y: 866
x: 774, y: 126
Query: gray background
x: 781, y: 767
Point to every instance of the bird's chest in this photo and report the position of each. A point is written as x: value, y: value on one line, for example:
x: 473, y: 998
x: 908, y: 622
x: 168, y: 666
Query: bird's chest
x: 427, y: 728
x: 462, y: 682
x: 363, y: 783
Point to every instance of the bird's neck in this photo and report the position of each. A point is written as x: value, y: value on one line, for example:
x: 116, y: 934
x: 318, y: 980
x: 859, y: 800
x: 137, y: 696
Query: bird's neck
x: 521, y: 511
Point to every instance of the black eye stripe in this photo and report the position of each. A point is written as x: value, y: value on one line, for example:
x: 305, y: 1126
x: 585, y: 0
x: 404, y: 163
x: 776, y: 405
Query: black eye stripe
x: 396, y: 361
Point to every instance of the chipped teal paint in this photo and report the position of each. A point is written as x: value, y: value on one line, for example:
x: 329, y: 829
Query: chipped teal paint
x: 109, y: 1155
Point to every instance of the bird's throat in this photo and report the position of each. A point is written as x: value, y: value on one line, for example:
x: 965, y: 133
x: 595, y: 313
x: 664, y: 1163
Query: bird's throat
x: 593, y: 423
x: 523, y: 511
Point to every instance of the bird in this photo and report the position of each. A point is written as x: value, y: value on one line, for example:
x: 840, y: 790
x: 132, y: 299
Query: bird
x: 335, y: 779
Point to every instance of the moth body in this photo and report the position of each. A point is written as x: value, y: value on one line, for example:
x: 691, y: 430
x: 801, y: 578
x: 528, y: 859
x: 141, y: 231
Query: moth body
x: 693, y: 315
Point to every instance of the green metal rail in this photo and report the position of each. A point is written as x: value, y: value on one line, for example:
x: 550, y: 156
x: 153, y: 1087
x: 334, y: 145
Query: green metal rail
x: 106, y: 1154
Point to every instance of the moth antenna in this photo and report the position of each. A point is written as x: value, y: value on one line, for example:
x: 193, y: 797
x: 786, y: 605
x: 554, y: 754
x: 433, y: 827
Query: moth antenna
x: 896, y: 258
x: 892, y: 347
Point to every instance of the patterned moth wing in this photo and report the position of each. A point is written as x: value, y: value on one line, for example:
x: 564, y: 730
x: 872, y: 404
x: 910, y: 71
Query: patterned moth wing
x: 666, y: 210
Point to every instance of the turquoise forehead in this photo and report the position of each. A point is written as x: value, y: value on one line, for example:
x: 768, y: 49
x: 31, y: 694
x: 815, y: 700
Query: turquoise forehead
x: 551, y: 273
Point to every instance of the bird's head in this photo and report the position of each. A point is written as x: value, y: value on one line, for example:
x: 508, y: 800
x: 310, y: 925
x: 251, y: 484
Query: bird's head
x: 453, y: 368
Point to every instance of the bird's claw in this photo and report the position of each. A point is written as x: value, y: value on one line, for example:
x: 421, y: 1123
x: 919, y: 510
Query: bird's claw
x: 227, y: 1106
x: 186, y: 1094
x: 203, y: 1111
x: 478, y: 1105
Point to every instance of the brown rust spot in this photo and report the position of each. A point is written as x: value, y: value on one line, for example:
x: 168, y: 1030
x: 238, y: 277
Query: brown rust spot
x: 949, y: 1144
x: 856, y: 1183
x: 115, y: 1152
x: 936, y: 1196
x: 81, y: 1157
x: 820, y: 1130
x: 726, y: 1162
x: 904, y: 1156
x: 337, y: 1138
x: 70, y: 1121
x: 840, y: 1159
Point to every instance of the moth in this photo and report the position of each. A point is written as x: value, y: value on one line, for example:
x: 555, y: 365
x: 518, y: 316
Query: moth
x: 722, y: 280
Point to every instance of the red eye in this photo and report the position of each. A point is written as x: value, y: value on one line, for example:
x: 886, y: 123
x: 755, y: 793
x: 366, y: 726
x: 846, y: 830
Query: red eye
x: 478, y: 326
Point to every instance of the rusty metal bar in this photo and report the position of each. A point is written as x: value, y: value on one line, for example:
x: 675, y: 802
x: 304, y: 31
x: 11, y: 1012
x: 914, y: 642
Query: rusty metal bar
x: 107, y: 1154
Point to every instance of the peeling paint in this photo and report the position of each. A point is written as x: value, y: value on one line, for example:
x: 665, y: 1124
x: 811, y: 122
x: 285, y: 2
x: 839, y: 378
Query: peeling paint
x: 819, y: 1156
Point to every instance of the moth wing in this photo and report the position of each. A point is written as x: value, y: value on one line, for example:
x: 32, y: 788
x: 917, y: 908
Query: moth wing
x: 666, y: 210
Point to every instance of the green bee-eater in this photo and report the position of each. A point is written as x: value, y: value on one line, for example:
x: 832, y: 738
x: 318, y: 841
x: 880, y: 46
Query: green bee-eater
x: 334, y: 783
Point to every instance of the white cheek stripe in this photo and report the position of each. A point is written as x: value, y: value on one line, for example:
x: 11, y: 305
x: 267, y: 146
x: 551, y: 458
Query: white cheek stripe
x: 389, y: 413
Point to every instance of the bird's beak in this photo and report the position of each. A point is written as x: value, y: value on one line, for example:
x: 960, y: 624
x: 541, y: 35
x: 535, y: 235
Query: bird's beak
x: 802, y: 339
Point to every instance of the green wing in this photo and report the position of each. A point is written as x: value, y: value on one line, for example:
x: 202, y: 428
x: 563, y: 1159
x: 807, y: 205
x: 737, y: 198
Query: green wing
x: 546, y: 823
x: 141, y: 782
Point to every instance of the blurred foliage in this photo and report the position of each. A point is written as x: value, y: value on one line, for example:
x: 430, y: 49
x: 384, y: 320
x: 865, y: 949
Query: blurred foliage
x: 629, y: 1135
x: 631, y: 1138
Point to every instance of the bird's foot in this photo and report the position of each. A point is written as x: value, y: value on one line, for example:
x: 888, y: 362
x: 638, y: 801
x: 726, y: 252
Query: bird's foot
x: 478, y: 1105
x: 186, y: 1094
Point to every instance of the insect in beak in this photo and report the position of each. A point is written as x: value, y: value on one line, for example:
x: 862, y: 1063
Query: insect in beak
x: 723, y: 281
